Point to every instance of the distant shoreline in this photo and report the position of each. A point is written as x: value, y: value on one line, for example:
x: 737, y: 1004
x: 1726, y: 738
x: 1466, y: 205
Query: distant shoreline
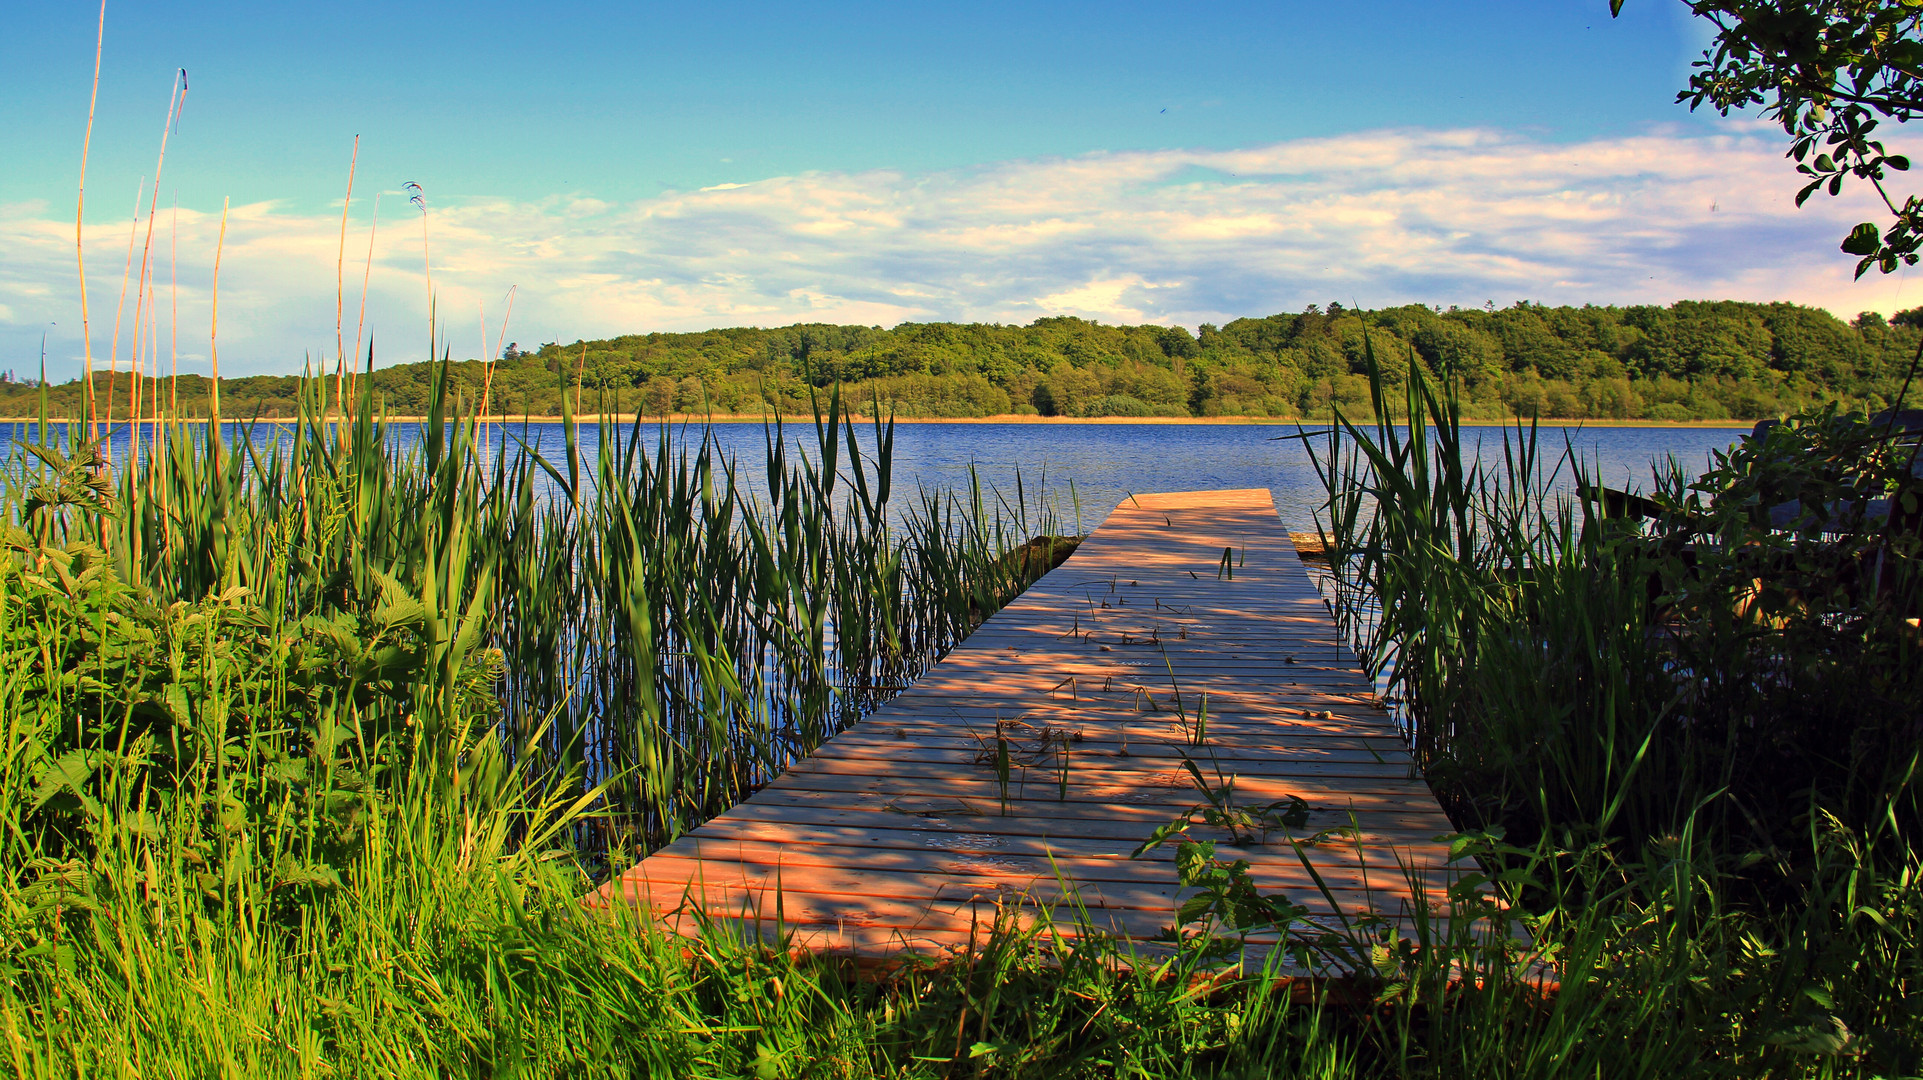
x: 1005, y: 418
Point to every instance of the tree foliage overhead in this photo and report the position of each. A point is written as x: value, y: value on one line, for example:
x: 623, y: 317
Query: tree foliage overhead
x: 1694, y: 360
x: 1830, y: 72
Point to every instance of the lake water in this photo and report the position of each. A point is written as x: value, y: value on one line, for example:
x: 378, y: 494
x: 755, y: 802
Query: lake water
x: 1102, y: 464
x: 1096, y: 466
x: 1109, y: 462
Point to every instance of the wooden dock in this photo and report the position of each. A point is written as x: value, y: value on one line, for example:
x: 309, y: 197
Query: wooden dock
x: 901, y: 834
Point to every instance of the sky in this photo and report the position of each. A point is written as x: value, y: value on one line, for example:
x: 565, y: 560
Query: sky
x: 626, y: 168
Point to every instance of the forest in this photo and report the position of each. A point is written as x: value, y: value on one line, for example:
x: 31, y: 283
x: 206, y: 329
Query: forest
x: 1693, y: 360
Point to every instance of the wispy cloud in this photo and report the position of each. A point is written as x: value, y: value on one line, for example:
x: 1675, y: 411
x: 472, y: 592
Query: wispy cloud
x: 1181, y: 236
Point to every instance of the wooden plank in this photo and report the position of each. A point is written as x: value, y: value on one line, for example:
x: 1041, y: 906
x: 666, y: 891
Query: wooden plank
x: 888, y: 836
x: 1123, y: 823
x: 1313, y: 745
x: 1143, y: 756
x: 1129, y: 820
x: 900, y: 835
x: 762, y: 859
x: 1039, y: 786
x: 879, y: 901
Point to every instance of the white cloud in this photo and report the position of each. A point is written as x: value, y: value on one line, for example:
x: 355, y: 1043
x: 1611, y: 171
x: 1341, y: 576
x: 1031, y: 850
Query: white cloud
x: 1110, y: 299
x: 1176, y: 236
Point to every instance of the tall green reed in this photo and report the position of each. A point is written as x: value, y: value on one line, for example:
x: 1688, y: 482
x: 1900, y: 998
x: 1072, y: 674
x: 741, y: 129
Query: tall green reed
x: 648, y: 625
x: 1513, y: 634
x: 1688, y: 743
x: 1560, y: 664
x: 272, y: 821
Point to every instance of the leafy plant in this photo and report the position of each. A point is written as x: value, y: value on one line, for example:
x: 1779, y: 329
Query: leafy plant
x: 1828, y: 71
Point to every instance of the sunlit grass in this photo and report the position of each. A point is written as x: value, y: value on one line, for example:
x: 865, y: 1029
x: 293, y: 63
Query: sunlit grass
x: 309, y: 751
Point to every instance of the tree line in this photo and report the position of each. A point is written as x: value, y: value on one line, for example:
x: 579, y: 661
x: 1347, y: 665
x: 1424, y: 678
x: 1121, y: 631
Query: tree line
x: 1692, y: 360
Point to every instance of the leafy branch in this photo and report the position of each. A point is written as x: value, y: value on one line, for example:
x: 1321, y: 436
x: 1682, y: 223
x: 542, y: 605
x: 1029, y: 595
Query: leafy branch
x: 1828, y: 71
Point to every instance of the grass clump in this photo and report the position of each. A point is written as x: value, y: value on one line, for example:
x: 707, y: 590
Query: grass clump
x: 1688, y: 739
x: 309, y: 750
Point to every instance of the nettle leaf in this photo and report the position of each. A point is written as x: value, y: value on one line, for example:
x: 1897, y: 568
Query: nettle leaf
x: 1831, y: 1038
x: 59, y: 884
x: 328, y: 735
x: 232, y: 813
x: 1194, y: 908
x: 1467, y: 888
x: 68, y: 774
x: 1383, y: 961
x: 312, y: 875
x: 60, y: 954
x: 142, y: 824
x: 397, y: 606
x: 1291, y: 813
x: 1192, y: 860
x: 337, y: 632
x: 177, y: 704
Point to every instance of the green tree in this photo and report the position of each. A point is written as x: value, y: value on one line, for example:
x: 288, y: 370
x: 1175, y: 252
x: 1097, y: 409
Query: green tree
x: 1828, y: 71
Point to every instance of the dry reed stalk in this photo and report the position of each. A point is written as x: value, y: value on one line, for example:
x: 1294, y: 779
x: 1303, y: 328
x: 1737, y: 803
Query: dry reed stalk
x: 147, y: 395
x: 580, y: 370
x: 360, y: 324
x: 173, y: 320
x: 152, y: 389
x: 151, y: 417
x: 143, y: 313
x: 79, y: 247
x: 133, y: 381
x: 492, y: 358
x: 213, y: 331
x: 173, y: 354
x: 419, y: 198
x: 340, y: 286
x: 120, y: 308
x: 489, y: 378
x: 176, y: 100
x: 502, y: 336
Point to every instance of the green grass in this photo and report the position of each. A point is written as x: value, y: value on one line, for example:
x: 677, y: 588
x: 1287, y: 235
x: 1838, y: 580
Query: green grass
x: 1699, y: 711
x: 308, y: 756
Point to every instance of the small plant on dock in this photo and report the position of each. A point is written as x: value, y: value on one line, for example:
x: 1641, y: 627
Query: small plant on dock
x: 1225, y: 897
x: 1018, y: 744
x: 1220, y: 810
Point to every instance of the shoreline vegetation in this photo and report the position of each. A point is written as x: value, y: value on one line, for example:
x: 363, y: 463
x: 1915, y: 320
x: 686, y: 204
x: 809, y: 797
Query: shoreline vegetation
x: 311, y: 745
x: 701, y: 419
x: 310, y: 755
x: 1694, y: 361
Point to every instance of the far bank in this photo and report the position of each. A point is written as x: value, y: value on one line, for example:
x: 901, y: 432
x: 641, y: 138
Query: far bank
x: 628, y: 418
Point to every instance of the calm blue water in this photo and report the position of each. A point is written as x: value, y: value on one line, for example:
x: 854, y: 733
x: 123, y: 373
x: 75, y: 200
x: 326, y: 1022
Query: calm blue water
x: 1099, y: 465
x: 1096, y: 466
x: 1109, y: 462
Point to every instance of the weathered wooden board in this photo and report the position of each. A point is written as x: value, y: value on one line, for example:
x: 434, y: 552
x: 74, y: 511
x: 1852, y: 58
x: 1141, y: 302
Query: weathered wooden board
x: 1183, y: 630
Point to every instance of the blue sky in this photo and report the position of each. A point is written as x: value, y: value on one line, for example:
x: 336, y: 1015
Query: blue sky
x: 874, y: 163
x: 621, y: 101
